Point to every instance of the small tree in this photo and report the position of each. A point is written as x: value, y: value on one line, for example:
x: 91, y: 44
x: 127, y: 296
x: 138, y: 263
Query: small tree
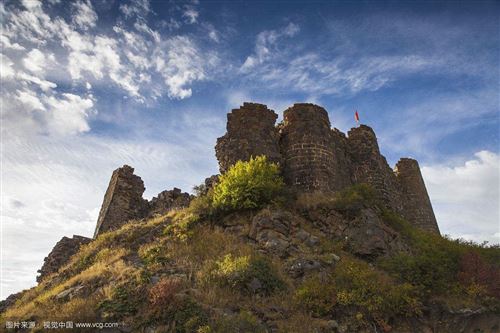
x: 248, y: 185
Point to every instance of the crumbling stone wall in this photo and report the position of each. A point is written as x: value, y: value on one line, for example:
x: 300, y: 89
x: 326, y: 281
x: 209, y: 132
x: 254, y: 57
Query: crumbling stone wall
x: 123, y: 200
x: 309, y: 148
x: 168, y: 200
x: 370, y: 167
x: 60, y: 255
x: 417, y: 207
x: 250, y: 132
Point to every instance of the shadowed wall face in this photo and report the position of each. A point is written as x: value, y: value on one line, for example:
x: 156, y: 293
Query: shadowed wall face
x: 123, y: 200
x: 417, y: 207
x: 370, y: 167
x: 307, y: 147
x: 251, y: 132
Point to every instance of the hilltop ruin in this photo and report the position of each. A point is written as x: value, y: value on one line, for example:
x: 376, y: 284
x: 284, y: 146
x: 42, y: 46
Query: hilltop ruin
x: 316, y: 157
x: 313, y: 157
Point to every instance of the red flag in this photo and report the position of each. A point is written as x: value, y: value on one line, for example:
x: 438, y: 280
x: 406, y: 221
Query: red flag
x: 356, y: 116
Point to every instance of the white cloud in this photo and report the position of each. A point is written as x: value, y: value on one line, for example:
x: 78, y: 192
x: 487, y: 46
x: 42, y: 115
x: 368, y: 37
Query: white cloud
x: 35, y: 61
x: 213, y: 34
x: 69, y: 114
x: 191, y: 15
x: 6, y: 70
x: 466, y: 197
x: 30, y: 100
x: 266, y: 44
x: 140, y: 8
x: 45, y: 85
x: 180, y: 63
x: 4, y: 40
x: 125, y: 58
x: 84, y: 17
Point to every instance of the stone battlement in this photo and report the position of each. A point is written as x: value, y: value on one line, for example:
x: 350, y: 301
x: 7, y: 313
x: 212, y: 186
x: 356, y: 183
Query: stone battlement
x: 315, y: 157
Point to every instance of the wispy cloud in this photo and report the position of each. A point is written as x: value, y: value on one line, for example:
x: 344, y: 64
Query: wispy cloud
x: 136, y: 60
x: 266, y: 45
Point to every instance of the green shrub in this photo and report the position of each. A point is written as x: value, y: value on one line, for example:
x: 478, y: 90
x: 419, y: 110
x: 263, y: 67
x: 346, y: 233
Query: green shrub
x: 189, y: 316
x: 124, y: 302
x: 249, y: 274
x: 317, y: 297
x: 434, y: 261
x: 362, y: 286
x: 182, y: 225
x: 154, y: 255
x: 248, y: 185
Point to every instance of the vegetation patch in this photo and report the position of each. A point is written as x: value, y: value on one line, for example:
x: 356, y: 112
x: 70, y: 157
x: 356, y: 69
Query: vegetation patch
x: 244, y: 322
x: 249, y: 274
x: 248, y: 185
x: 439, y: 266
x: 316, y: 296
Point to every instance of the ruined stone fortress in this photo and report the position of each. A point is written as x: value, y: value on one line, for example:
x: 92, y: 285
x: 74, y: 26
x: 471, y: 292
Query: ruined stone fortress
x: 315, y: 157
x: 312, y: 156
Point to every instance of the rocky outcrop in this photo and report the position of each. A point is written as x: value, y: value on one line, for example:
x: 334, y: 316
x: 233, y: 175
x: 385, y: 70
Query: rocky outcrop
x: 168, y: 200
x: 60, y: 255
x: 123, y: 201
x: 10, y: 301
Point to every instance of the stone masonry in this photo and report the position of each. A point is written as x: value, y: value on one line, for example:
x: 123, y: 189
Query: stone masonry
x: 250, y: 132
x: 60, y: 255
x: 309, y: 150
x: 315, y: 157
x: 416, y: 203
x: 370, y: 167
x: 123, y: 200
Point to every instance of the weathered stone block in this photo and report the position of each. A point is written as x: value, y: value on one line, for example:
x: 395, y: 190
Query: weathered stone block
x: 123, y: 200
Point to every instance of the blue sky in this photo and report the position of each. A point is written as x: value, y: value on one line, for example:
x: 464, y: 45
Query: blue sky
x: 89, y: 86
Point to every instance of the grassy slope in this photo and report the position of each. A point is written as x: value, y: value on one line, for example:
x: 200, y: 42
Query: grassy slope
x: 183, y: 273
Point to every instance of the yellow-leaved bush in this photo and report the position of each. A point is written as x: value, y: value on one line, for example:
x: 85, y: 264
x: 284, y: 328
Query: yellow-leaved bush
x: 248, y: 185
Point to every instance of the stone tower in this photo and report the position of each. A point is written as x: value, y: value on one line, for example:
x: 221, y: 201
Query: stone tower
x: 417, y: 206
x: 308, y: 148
x: 123, y: 200
x: 370, y: 167
x: 250, y: 132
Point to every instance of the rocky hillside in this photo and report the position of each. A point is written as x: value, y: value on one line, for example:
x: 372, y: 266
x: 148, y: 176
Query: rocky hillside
x: 289, y: 262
